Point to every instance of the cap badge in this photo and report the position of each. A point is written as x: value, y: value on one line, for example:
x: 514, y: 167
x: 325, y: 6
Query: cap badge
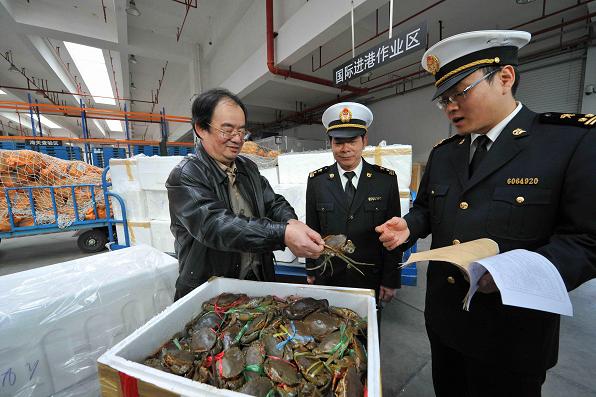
x: 432, y: 63
x: 345, y: 115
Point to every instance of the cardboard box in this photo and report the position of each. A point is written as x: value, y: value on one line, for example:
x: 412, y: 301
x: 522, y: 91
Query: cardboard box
x: 119, y: 366
x: 417, y: 171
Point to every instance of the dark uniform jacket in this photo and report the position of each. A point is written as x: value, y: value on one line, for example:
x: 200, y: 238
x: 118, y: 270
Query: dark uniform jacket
x: 376, y: 200
x: 209, y: 236
x: 534, y: 190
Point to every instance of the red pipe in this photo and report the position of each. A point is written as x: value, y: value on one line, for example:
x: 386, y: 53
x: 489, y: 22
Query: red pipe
x: 288, y: 73
x: 297, y: 115
x: 563, y: 24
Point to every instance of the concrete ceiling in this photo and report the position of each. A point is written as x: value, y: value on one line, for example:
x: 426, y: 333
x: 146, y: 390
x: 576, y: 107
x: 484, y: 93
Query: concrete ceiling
x: 223, y: 44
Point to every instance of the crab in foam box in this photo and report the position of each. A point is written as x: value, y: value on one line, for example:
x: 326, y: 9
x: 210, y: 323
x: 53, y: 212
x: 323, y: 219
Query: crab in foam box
x: 318, y: 340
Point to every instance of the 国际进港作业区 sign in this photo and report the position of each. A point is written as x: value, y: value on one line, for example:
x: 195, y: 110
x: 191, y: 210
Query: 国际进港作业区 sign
x: 405, y: 42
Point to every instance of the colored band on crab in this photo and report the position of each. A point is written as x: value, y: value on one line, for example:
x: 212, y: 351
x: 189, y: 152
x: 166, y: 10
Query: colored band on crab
x: 177, y: 343
x: 300, y: 338
x: 242, y: 331
x: 256, y: 368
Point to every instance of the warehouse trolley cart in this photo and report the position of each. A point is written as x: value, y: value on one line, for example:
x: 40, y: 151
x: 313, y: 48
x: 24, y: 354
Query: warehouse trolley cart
x: 96, y: 230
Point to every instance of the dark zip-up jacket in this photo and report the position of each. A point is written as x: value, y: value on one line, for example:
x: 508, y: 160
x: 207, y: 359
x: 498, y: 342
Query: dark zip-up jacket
x: 209, y: 236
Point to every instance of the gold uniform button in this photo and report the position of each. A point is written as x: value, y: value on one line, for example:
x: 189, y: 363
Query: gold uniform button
x: 450, y: 280
x: 463, y: 205
x: 519, y: 200
x: 455, y: 242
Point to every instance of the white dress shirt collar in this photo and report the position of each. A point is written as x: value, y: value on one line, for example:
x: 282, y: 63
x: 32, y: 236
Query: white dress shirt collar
x: 355, y: 179
x: 494, y: 132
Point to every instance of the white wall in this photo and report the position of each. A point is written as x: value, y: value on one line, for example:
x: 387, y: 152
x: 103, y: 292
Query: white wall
x: 409, y: 119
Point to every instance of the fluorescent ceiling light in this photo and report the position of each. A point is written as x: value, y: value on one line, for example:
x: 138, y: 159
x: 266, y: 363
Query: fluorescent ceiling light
x: 2, y: 92
x: 91, y: 64
x: 49, y: 123
x: 99, y: 127
x: 114, y: 125
x: 25, y: 120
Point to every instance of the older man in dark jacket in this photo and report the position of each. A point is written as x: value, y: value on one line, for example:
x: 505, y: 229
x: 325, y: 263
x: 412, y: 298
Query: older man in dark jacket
x: 226, y: 218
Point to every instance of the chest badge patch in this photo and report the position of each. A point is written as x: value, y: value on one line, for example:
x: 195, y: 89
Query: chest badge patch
x: 375, y: 198
x: 518, y: 132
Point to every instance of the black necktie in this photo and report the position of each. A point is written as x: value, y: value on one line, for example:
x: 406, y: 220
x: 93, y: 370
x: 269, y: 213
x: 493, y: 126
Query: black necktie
x: 350, y: 189
x: 480, y: 153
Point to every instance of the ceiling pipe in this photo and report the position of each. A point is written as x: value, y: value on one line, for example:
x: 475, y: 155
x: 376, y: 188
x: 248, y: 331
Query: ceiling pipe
x: 288, y: 73
x: 544, y: 16
x: 296, y: 117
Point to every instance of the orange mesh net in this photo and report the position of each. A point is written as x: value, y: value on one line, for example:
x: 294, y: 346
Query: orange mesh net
x: 24, y: 168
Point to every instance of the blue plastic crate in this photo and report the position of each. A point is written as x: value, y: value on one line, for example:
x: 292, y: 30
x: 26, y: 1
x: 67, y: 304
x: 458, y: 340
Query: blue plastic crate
x: 147, y: 150
x: 8, y: 145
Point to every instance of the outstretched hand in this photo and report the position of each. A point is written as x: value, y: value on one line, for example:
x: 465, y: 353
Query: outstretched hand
x: 302, y: 240
x: 393, y: 233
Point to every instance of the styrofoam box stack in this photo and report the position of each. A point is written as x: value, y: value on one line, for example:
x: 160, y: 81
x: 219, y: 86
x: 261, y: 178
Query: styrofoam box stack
x: 124, y: 358
x: 55, y: 321
x: 141, y: 181
x: 125, y: 181
x: 295, y: 195
x: 271, y: 174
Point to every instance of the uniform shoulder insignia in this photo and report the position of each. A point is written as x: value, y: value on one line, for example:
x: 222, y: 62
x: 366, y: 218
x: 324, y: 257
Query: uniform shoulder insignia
x: 383, y: 170
x: 318, y: 172
x: 446, y: 140
x: 570, y: 119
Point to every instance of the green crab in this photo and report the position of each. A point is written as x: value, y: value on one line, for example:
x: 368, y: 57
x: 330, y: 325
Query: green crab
x: 338, y: 245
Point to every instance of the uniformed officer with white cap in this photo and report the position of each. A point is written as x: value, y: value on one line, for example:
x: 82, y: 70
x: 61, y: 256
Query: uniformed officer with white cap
x: 352, y: 197
x: 523, y: 179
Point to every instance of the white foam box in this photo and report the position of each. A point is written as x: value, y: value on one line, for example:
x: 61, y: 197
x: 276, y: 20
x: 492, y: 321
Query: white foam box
x: 295, y: 195
x: 55, y: 321
x: 138, y: 233
x: 271, y: 174
x: 124, y: 174
x: 155, y: 170
x: 158, y: 206
x: 285, y: 256
x: 161, y: 236
x: 124, y: 357
x: 135, y: 202
x: 295, y: 167
x: 405, y: 205
x: 395, y: 157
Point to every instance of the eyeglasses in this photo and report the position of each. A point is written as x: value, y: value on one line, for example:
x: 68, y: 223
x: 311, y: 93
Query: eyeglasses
x: 444, y: 102
x: 230, y: 132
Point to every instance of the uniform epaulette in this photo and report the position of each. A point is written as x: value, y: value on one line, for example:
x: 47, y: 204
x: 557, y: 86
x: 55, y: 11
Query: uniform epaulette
x: 446, y: 140
x: 318, y: 172
x: 571, y: 119
x: 383, y: 170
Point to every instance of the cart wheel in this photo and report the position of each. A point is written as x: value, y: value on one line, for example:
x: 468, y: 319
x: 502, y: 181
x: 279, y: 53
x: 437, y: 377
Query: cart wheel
x: 93, y: 240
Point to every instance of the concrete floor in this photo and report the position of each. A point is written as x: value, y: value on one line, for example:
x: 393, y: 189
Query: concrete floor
x: 405, y: 352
